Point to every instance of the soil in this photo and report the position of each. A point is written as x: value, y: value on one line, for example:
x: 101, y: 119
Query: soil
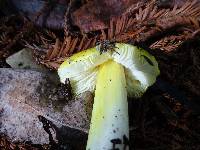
x: 167, y: 117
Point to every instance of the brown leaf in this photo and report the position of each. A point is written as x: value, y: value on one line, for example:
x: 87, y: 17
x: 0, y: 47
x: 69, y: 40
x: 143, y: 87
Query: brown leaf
x: 95, y: 15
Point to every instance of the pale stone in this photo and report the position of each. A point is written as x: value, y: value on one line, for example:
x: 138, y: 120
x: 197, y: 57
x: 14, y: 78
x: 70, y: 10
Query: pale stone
x: 22, y: 99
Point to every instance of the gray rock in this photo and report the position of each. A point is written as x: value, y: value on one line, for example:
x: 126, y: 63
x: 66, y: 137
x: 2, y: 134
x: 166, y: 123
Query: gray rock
x: 23, y: 60
x: 26, y: 94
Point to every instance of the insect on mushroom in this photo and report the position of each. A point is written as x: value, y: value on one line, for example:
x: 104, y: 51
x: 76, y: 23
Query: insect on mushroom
x: 106, y: 45
x: 112, y: 77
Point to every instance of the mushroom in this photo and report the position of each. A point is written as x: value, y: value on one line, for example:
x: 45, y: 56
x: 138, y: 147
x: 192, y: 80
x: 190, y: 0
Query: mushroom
x: 113, y: 75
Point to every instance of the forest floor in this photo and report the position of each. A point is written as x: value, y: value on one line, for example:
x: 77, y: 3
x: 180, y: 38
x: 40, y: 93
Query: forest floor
x: 167, y: 117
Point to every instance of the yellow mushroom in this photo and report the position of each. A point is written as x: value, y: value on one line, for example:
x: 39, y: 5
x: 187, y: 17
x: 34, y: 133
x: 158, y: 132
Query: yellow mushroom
x: 113, y: 76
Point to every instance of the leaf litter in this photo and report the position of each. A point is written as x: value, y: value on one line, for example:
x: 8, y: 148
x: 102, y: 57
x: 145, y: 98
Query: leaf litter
x: 169, y: 30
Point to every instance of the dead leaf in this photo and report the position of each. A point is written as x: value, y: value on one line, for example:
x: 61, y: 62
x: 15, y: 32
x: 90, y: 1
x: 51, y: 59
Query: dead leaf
x: 95, y: 15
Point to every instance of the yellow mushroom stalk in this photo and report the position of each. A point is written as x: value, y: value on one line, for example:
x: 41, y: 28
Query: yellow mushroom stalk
x: 110, y: 110
x: 113, y: 75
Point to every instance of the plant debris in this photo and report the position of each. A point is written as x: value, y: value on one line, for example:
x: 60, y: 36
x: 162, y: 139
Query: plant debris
x: 167, y: 29
x: 139, y: 26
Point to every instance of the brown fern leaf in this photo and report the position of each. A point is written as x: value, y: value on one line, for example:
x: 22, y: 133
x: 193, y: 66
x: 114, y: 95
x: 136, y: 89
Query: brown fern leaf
x: 134, y: 7
x: 166, y: 19
x: 69, y: 46
x: 169, y: 43
x: 151, y: 21
x: 172, y: 42
x: 72, y: 44
x: 55, y: 50
x: 3, y: 38
x: 148, y: 22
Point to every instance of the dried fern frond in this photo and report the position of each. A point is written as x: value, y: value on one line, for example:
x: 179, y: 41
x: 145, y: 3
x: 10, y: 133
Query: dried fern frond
x: 169, y: 43
x: 3, y: 38
x: 152, y: 22
x: 71, y: 45
x: 147, y: 22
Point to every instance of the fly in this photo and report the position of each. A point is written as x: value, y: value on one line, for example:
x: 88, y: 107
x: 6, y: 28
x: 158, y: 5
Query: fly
x: 105, y: 46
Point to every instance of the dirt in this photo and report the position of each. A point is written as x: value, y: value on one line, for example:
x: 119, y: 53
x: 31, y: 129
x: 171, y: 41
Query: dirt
x: 167, y: 117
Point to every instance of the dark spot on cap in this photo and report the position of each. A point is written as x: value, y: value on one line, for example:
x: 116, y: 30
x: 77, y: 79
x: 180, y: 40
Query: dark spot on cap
x: 114, y: 131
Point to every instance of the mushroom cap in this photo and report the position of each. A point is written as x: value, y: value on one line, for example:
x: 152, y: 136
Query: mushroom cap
x: 81, y: 62
x: 140, y: 67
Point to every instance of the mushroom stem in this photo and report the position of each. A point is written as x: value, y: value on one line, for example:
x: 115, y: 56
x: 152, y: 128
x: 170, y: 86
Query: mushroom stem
x: 109, y: 127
